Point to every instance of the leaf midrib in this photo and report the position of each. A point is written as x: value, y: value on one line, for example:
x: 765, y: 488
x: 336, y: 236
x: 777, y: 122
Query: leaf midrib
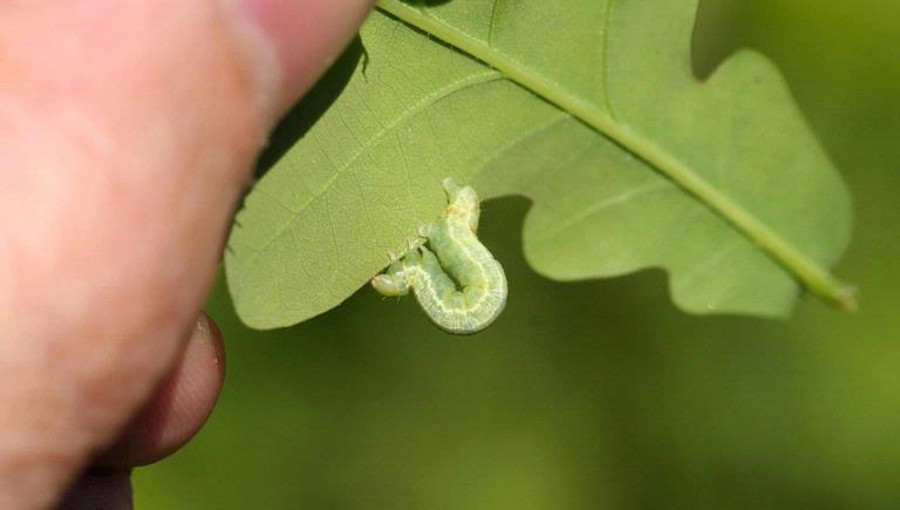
x: 807, y: 271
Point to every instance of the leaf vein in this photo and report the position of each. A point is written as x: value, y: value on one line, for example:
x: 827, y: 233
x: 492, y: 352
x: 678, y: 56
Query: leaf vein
x: 711, y: 260
x: 615, y: 201
x: 427, y: 101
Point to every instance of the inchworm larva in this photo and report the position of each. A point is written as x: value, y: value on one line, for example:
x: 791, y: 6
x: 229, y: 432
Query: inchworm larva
x: 457, y: 281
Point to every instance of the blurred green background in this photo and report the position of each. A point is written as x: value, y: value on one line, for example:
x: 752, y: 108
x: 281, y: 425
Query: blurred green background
x: 598, y: 394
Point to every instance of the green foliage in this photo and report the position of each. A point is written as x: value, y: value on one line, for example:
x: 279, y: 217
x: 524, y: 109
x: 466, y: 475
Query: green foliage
x: 596, y: 394
x: 593, y: 113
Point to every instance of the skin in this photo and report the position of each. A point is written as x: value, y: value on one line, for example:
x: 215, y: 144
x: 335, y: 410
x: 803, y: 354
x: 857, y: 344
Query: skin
x: 128, y: 130
x: 460, y: 285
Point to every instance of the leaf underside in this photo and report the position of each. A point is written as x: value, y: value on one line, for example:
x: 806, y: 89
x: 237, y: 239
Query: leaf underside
x: 593, y: 113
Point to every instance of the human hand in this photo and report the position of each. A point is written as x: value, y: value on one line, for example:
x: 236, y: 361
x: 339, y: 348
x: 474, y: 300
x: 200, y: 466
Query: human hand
x: 127, y: 133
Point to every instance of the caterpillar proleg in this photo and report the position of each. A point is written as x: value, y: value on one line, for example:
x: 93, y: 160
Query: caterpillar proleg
x: 455, y: 279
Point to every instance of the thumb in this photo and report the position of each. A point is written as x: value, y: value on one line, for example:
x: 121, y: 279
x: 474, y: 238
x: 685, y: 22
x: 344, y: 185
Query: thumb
x: 127, y: 132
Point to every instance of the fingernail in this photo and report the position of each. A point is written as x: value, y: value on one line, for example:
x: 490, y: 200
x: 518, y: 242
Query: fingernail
x: 304, y: 36
x: 206, y: 330
x: 261, y: 54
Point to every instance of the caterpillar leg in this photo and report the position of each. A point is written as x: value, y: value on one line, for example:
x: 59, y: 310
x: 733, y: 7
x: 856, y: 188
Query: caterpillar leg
x: 392, y: 282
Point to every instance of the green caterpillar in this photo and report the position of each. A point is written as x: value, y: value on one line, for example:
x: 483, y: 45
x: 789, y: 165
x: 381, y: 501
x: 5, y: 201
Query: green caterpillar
x: 458, y: 283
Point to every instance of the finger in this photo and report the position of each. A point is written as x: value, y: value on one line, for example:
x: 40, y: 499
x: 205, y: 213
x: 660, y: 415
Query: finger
x: 316, y: 27
x: 127, y: 130
x: 179, y: 407
x: 173, y: 415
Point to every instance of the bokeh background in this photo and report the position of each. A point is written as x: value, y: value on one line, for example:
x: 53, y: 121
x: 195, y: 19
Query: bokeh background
x: 596, y: 395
